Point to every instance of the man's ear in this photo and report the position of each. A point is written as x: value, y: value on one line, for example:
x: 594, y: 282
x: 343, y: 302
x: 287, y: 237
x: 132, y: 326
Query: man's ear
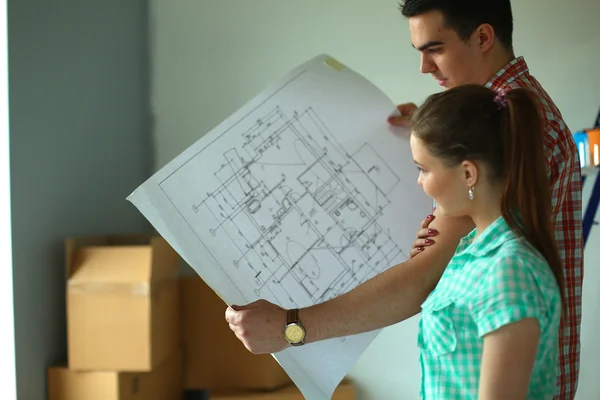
x: 485, y: 36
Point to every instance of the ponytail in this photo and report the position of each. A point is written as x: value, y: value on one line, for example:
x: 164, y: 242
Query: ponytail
x: 526, y: 201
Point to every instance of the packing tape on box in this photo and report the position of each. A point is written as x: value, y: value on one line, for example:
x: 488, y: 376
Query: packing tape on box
x: 114, y: 288
x: 118, y: 288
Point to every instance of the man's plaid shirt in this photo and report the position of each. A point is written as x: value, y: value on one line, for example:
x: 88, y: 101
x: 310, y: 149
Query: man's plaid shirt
x: 562, y: 161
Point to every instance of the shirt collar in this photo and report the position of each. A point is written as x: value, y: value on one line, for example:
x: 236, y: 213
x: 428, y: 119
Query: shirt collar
x: 508, y: 74
x: 489, y: 240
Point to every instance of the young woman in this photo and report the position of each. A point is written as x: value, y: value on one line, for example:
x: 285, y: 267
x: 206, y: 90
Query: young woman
x: 490, y: 328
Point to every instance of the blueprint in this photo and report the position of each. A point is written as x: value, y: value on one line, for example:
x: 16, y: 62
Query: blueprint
x: 298, y: 197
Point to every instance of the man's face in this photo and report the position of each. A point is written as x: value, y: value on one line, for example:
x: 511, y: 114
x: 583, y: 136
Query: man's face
x: 450, y: 60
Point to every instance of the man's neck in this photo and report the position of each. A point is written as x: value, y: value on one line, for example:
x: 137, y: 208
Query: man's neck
x: 498, y: 60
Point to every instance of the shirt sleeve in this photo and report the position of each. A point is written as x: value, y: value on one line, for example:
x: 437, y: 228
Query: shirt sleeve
x: 508, y: 294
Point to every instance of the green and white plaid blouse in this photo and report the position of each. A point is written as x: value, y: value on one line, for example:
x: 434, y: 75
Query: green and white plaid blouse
x: 493, y: 280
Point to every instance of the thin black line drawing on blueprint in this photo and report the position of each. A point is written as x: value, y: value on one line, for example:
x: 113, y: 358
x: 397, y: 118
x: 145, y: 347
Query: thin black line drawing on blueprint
x: 312, y: 225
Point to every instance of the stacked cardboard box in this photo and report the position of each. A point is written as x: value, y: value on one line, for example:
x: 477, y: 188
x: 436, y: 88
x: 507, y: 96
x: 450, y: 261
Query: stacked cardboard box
x: 345, y: 391
x: 123, y: 321
x: 216, y: 361
x: 136, y: 331
x: 214, y: 358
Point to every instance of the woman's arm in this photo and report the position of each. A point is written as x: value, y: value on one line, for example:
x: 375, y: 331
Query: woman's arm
x: 509, y: 354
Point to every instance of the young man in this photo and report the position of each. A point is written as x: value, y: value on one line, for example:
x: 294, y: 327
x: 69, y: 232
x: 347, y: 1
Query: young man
x: 460, y: 42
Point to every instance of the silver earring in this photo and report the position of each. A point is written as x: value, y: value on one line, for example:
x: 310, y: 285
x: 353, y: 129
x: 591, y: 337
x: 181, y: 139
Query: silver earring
x: 471, y: 192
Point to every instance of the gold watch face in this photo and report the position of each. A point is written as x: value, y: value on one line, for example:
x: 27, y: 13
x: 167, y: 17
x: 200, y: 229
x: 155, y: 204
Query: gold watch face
x: 294, y: 333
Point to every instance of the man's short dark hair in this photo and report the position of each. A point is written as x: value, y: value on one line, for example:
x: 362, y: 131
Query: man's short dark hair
x: 464, y: 16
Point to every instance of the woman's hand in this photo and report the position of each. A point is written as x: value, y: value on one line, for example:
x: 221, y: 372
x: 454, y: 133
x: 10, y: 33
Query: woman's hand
x: 423, y: 237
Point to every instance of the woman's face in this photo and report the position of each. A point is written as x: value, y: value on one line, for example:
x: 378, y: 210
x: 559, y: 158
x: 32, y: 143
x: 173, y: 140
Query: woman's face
x: 448, y: 186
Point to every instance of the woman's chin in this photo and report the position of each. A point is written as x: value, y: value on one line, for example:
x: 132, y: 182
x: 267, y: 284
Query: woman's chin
x: 442, y: 211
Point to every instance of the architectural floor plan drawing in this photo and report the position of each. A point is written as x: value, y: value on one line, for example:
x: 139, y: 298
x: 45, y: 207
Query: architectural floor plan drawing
x: 306, y: 233
x: 298, y: 197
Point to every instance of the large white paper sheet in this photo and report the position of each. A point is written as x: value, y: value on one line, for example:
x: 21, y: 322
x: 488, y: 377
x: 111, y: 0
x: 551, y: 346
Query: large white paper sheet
x: 298, y: 197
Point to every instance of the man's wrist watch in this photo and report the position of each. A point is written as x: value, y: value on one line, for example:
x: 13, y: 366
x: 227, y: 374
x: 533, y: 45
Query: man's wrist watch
x: 294, y: 331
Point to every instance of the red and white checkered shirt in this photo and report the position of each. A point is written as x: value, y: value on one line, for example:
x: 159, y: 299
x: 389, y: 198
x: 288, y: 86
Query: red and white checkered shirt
x: 562, y: 161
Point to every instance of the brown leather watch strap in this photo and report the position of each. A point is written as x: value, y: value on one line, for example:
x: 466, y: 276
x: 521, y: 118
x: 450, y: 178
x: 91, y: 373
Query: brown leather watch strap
x: 292, y: 316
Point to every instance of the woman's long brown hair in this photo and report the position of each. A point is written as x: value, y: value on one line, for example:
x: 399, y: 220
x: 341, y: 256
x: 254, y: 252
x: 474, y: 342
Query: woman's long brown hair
x: 470, y: 122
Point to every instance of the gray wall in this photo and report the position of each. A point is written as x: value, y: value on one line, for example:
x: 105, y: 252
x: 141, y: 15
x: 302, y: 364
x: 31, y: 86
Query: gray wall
x: 80, y: 143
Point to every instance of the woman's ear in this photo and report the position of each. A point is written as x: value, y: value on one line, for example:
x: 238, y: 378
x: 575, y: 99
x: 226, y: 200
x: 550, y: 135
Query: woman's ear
x: 470, y: 173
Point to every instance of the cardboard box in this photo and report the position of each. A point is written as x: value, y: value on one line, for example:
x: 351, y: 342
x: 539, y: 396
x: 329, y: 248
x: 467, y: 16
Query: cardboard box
x: 345, y: 391
x: 163, y: 383
x: 123, y: 310
x: 214, y: 358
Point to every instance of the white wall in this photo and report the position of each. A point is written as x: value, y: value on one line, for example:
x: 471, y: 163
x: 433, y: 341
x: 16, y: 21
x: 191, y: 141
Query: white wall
x: 589, y: 387
x: 211, y: 56
x: 79, y: 144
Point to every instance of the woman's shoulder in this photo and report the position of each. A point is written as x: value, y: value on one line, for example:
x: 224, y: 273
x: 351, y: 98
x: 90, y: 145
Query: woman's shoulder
x: 517, y: 262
